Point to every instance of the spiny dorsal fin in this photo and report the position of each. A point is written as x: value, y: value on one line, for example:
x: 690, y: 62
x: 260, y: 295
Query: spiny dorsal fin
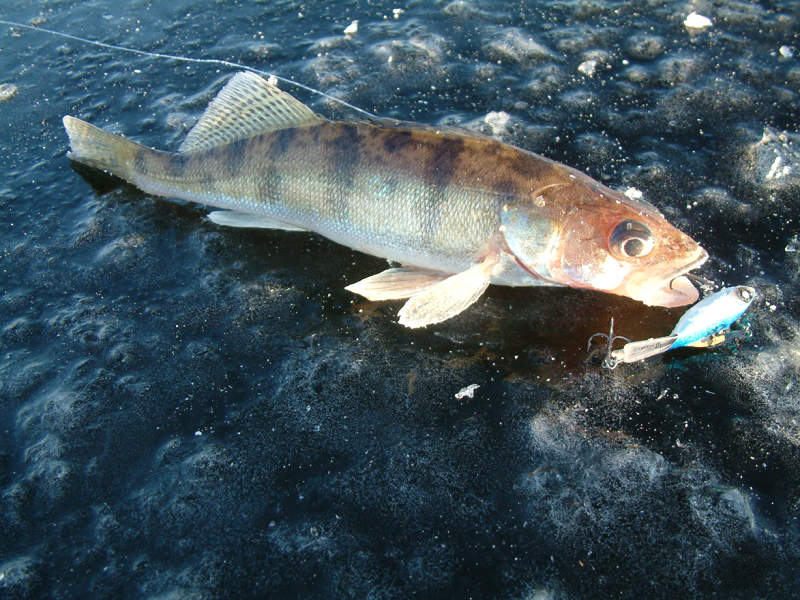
x: 246, y: 106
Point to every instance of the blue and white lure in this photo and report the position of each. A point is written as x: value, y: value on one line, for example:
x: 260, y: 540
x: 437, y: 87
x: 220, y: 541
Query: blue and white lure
x: 705, y: 325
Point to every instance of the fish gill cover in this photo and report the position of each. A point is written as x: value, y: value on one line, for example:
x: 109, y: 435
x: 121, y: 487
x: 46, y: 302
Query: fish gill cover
x: 193, y: 412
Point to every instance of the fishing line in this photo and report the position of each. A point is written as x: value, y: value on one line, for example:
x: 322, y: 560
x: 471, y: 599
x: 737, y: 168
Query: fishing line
x: 206, y: 61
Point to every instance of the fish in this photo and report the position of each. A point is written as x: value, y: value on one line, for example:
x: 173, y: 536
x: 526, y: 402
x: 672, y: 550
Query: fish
x: 452, y: 210
x: 705, y: 325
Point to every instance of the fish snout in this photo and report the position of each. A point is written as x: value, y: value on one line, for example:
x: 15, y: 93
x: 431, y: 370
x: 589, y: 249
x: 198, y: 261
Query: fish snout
x: 670, y: 290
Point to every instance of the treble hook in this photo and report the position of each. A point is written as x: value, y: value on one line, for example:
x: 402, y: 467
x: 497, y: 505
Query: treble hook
x: 608, y: 362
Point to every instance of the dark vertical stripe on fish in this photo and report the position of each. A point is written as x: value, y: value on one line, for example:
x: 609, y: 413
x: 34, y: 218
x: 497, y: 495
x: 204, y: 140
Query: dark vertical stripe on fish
x: 177, y: 164
x: 269, y: 187
x: 395, y: 141
x: 282, y: 142
x: 139, y: 162
x: 445, y: 161
x: 344, y: 154
x: 233, y: 157
x: 442, y: 168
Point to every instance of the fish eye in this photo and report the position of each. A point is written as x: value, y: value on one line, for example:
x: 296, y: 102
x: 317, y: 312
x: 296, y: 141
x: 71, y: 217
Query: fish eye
x: 631, y: 239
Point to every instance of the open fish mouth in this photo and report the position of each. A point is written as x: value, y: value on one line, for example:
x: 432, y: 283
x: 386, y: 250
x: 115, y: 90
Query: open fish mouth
x: 673, y: 289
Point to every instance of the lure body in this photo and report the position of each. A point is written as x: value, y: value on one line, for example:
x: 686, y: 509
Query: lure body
x: 711, y: 315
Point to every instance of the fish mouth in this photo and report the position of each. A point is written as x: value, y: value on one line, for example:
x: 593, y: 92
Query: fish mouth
x: 671, y: 289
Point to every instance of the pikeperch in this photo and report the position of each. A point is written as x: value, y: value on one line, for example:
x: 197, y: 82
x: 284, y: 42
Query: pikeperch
x: 456, y: 209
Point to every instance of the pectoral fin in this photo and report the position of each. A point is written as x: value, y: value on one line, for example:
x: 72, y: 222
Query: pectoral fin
x: 449, y: 297
x: 394, y: 284
x: 233, y: 218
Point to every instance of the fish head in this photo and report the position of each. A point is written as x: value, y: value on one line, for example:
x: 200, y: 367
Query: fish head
x: 579, y: 233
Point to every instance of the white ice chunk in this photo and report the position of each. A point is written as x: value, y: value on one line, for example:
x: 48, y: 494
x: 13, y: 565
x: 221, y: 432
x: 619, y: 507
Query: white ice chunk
x: 467, y: 392
x: 498, y: 121
x: 778, y: 169
x: 588, y: 67
x: 697, y: 21
x: 633, y: 193
x: 351, y: 29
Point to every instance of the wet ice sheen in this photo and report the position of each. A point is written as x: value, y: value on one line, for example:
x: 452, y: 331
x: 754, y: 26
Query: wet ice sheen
x: 334, y: 460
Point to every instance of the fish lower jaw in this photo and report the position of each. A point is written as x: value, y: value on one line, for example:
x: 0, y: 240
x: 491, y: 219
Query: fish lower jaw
x: 672, y: 290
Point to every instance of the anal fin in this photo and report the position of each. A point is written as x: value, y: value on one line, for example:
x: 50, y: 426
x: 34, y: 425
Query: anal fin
x: 394, y: 284
x: 234, y: 218
x: 449, y: 297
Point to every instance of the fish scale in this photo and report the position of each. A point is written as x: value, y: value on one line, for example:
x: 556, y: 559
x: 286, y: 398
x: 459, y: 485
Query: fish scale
x: 309, y: 180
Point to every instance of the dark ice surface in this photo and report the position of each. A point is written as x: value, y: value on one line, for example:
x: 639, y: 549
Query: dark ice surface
x: 188, y: 411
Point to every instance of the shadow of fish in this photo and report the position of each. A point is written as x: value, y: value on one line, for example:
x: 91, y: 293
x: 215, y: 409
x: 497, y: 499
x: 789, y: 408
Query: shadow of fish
x: 458, y: 210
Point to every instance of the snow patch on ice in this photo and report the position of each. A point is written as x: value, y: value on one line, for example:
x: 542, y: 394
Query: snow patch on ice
x: 697, y: 21
x: 467, y: 392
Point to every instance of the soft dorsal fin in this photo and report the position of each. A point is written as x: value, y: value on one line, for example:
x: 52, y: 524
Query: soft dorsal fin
x: 246, y: 106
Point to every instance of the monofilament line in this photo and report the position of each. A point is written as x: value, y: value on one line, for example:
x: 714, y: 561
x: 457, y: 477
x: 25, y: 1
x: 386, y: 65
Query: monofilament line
x: 206, y: 61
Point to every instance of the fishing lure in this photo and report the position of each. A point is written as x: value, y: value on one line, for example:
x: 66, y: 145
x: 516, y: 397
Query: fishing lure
x: 705, y: 325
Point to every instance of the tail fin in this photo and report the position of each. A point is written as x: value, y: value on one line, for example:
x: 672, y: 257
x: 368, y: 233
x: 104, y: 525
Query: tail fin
x: 102, y: 150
